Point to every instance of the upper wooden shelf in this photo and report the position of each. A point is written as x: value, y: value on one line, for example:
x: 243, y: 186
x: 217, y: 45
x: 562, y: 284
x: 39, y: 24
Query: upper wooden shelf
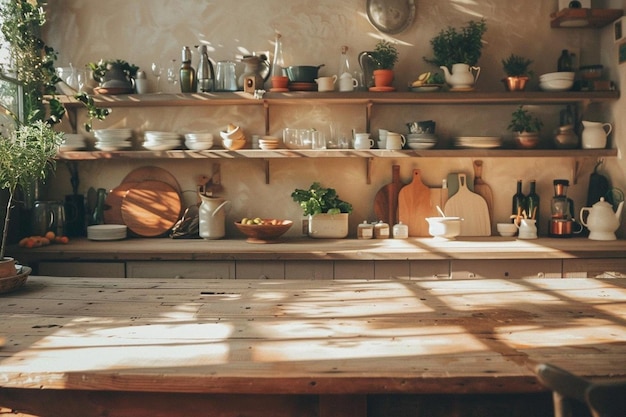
x: 298, y: 97
x: 584, y: 18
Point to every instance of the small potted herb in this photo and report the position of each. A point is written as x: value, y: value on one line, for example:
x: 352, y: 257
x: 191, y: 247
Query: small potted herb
x: 385, y: 56
x: 526, y: 128
x: 327, y: 213
x: 518, y: 73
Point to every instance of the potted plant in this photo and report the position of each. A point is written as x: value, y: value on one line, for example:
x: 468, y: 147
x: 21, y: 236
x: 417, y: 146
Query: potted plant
x: 456, y: 50
x: 327, y: 213
x: 26, y: 157
x: 517, y: 70
x: 114, y: 76
x: 526, y: 128
x: 385, y: 56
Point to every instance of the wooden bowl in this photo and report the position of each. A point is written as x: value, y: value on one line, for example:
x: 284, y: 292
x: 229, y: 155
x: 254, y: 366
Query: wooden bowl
x: 264, y: 233
x: 14, y: 282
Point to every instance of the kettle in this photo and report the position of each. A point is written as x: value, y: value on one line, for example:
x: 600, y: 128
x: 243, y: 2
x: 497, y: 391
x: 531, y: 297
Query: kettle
x: 601, y: 221
x: 212, y: 217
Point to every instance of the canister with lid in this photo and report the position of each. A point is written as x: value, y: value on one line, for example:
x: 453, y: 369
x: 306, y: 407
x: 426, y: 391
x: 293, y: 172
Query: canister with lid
x: 400, y: 231
x: 365, y: 230
x: 381, y: 230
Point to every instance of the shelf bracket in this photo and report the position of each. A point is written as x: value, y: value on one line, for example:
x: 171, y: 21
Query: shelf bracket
x: 368, y: 170
x: 267, y: 170
x: 266, y: 106
x: 368, y: 116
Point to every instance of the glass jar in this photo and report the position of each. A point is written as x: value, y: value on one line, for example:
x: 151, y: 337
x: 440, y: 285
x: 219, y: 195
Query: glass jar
x: 365, y: 230
x: 381, y: 230
x: 400, y: 231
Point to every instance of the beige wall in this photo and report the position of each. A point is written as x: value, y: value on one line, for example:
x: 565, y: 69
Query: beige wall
x: 142, y: 31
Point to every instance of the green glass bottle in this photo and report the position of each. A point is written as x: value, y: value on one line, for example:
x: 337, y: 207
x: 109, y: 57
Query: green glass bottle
x: 532, y: 203
x: 188, y: 81
x: 519, y: 202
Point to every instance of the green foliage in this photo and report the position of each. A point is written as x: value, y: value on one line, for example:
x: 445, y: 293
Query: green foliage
x: 523, y: 121
x: 317, y: 200
x: 93, y: 112
x: 516, y: 66
x: 464, y: 46
x: 26, y: 158
x: 101, y: 67
x: 32, y: 60
x: 385, y: 55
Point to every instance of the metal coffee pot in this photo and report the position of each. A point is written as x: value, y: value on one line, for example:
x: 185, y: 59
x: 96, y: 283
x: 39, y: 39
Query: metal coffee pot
x: 48, y: 216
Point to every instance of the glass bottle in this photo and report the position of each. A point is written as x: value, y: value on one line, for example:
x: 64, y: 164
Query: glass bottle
x: 519, y: 202
x: 564, y: 63
x: 188, y: 81
x: 344, y: 63
x: 279, y: 62
x: 532, y: 202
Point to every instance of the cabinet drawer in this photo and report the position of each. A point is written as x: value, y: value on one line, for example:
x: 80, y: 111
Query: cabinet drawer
x: 354, y: 269
x: 430, y: 269
x: 309, y: 269
x: 505, y: 268
x: 83, y: 269
x: 181, y: 269
x: 392, y: 269
x: 260, y: 270
x: 590, y: 268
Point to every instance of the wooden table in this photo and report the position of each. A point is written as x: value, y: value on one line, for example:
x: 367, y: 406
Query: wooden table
x: 148, y: 347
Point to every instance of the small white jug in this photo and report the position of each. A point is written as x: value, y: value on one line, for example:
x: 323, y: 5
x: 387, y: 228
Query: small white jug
x: 326, y: 83
x: 527, y: 229
x: 395, y: 141
x: 595, y: 134
x: 347, y: 82
x: 363, y: 141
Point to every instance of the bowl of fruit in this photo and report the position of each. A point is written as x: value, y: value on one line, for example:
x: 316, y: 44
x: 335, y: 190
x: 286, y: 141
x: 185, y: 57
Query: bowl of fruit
x: 427, y: 82
x: 263, y: 230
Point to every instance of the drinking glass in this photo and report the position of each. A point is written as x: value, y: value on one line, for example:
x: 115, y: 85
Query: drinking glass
x: 172, y: 73
x: 157, y: 71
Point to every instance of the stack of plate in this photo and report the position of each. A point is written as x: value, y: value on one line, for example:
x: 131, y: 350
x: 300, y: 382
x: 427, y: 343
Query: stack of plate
x: 421, y: 140
x: 557, y: 81
x: 72, y: 142
x: 161, y: 141
x: 106, y: 232
x: 113, y: 139
x: 478, y: 142
x: 268, y: 143
x: 199, y: 141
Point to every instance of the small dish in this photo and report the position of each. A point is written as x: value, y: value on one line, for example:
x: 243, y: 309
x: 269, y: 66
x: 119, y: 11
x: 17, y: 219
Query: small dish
x: 506, y: 229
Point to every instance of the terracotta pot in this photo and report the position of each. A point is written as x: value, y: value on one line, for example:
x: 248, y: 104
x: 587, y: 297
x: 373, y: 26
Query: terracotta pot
x: 383, y: 77
x: 280, y: 81
x: 515, y: 83
x: 526, y: 140
x: 7, y: 267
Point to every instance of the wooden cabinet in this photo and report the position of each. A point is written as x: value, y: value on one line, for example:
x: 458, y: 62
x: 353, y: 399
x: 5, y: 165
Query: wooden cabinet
x: 505, y: 268
x: 82, y: 269
x: 591, y: 268
x: 181, y: 269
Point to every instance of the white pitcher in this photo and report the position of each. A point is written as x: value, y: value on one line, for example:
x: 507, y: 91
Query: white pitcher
x: 212, y: 217
x: 527, y: 229
x: 462, y: 76
x: 595, y: 134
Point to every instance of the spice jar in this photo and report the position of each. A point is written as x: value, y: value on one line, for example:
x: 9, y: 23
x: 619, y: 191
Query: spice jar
x: 381, y: 230
x: 400, y: 231
x: 365, y: 230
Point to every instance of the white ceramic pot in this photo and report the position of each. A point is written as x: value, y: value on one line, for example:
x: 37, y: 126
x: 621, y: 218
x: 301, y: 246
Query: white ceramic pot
x: 212, y: 217
x: 328, y: 226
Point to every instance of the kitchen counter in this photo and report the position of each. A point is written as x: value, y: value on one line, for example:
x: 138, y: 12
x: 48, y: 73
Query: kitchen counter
x: 150, y: 347
x: 325, y: 249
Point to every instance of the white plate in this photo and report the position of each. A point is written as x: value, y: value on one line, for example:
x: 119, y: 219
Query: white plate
x: 70, y: 148
x: 107, y: 147
x: 428, y: 88
x: 161, y: 147
x: 421, y: 145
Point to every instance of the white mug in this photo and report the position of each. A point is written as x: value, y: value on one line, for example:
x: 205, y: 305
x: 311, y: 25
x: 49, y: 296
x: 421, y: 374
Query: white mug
x: 326, y: 83
x: 395, y: 141
x: 347, y: 83
x: 363, y: 141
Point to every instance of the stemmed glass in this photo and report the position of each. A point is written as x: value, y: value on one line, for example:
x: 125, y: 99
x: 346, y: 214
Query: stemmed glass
x: 172, y: 72
x: 157, y: 71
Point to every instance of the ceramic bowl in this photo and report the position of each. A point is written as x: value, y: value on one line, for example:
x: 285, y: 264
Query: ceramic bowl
x: 236, y: 133
x: 557, y: 76
x: 556, y: 85
x: 444, y: 227
x: 233, y: 145
x: 198, y: 145
x: 264, y: 233
x: 506, y: 229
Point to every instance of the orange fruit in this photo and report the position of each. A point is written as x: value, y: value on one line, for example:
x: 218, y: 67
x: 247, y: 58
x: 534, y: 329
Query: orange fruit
x: 50, y: 235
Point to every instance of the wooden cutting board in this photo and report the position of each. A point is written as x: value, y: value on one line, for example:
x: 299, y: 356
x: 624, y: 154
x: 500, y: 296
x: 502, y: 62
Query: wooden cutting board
x: 152, y: 173
x: 481, y: 187
x: 386, y: 199
x: 151, y: 208
x: 414, y: 206
x: 472, y: 208
x: 113, y: 203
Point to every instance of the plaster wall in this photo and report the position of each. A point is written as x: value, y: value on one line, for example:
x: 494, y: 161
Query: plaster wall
x: 143, y: 32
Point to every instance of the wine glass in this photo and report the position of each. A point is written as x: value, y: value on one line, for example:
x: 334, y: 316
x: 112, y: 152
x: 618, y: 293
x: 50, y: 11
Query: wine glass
x: 157, y: 71
x: 172, y: 73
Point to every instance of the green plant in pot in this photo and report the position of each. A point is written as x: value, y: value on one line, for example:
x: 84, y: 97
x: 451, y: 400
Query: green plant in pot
x: 327, y: 213
x: 115, y: 76
x: 518, y: 73
x: 526, y: 128
x: 385, y: 57
x: 457, y: 51
x: 26, y: 157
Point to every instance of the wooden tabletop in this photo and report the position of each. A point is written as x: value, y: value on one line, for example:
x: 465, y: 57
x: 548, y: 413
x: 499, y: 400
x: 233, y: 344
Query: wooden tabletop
x: 308, y: 337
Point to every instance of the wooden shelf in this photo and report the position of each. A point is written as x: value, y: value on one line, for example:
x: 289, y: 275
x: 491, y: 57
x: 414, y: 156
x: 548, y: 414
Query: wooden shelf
x: 584, y: 18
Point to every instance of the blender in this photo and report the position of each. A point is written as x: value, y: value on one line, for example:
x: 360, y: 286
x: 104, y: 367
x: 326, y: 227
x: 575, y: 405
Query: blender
x: 561, y: 221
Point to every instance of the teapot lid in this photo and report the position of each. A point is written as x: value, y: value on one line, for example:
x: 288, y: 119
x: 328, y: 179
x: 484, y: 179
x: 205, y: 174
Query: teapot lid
x: 603, y: 203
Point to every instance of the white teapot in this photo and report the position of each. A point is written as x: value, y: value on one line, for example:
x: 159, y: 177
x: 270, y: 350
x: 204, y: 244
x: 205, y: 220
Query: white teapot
x: 601, y: 221
x: 461, y: 76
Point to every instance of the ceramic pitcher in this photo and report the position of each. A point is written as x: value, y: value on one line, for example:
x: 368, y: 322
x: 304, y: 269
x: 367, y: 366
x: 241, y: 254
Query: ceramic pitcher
x: 527, y: 229
x: 212, y: 217
x: 462, y: 76
x: 595, y: 134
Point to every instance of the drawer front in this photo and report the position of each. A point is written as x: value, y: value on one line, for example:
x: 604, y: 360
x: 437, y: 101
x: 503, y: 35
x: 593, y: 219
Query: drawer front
x: 181, y: 269
x: 354, y: 269
x: 309, y: 269
x: 591, y: 268
x: 392, y: 269
x: 260, y: 270
x: 430, y: 269
x: 505, y: 268
x: 83, y: 269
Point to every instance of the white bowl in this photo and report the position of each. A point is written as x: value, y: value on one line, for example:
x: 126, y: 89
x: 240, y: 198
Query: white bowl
x: 444, y: 227
x: 506, y: 229
x: 198, y: 145
x: 557, y: 76
x: 199, y: 137
x: 556, y: 85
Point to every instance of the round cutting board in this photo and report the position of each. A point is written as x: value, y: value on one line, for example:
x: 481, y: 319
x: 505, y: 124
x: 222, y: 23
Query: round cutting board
x: 113, y: 203
x: 151, y: 208
x: 152, y: 173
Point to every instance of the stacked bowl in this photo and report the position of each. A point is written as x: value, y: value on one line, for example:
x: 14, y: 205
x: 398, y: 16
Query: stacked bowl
x: 268, y: 143
x: 199, y: 141
x: 72, y: 142
x: 421, y: 140
x: 557, y: 81
x: 233, y: 138
x: 113, y: 139
x: 161, y: 141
